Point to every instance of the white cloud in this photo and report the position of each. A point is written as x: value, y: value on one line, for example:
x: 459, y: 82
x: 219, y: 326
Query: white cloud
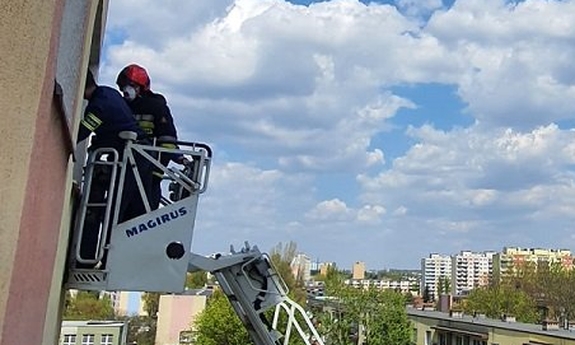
x: 515, y: 58
x: 298, y: 100
x: 330, y: 210
x: 371, y: 214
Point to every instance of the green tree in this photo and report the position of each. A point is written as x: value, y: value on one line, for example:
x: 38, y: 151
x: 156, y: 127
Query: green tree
x: 281, y: 257
x: 549, y: 285
x: 372, y: 316
x: 333, y: 280
x: 443, y: 285
x: 556, y: 293
x: 218, y: 324
x: 151, y: 302
x: 88, y: 306
x: 386, y: 319
x: 427, y: 295
x: 495, y: 301
x: 141, y: 330
x: 196, y: 280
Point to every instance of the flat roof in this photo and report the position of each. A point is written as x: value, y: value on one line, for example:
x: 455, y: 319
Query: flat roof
x: 93, y: 323
x: 486, y: 322
x: 483, y: 335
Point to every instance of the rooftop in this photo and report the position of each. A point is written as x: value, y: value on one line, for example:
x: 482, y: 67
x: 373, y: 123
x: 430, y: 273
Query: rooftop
x: 466, y: 320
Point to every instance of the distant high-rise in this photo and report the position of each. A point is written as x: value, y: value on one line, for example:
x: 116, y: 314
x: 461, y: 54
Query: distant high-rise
x: 515, y: 257
x: 470, y: 270
x: 301, y: 267
x: 434, y: 269
x: 324, y: 267
x: 358, y: 270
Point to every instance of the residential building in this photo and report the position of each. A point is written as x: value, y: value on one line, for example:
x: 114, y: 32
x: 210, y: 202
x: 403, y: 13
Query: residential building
x: 324, y: 267
x: 301, y: 267
x: 403, y: 286
x: 93, y: 333
x: 176, y: 314
x: 358, y: 283
x: 126, y: 303
x: 434, y: 269
x: 358, y: 270
x: 433, y: 327
x: 47, y: 47
x: 470, y: 270
x: 515, y: 257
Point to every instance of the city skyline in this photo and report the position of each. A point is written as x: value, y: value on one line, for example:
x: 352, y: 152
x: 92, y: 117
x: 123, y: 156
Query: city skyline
x: 375, y: 131
x: 416, y: 266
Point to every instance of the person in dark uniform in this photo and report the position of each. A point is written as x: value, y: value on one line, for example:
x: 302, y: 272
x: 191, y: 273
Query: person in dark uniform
x: 106, y: 115
x: 154, y: 117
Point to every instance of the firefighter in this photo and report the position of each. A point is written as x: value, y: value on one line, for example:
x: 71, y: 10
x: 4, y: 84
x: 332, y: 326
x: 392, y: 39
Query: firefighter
x: 106, y: 115
x: 154, y: 117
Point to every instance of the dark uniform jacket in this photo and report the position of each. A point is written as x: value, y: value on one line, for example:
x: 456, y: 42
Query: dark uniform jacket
x: 155, y: 119
x: 107, y: 114
x: 153, y: 115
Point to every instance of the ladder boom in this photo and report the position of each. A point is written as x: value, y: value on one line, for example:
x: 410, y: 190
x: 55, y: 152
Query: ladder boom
x: 253, y: 287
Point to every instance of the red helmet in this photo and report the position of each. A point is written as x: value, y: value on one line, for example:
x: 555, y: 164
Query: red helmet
x: 134, y: 74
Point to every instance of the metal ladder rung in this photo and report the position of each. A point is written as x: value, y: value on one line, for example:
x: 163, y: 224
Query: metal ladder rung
x: 97, y: 204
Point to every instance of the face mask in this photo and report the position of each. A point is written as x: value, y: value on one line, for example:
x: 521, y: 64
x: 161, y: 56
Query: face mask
x: 129, y: 92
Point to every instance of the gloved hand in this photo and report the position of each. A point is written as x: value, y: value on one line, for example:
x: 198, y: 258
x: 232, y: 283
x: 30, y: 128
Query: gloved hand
x: 182, y: 160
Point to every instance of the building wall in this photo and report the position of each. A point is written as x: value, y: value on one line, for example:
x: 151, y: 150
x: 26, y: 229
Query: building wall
x: 431, y: 325
x: 513, y: 257
x: 176, y: 314
x: 471, y: 270
x: 358, y: 270
x: 35, y: 148
x: 433, y: 268
x: 301, y: 267
x: 324, y: 267
x: 102, y: 332
x: 126, y: 303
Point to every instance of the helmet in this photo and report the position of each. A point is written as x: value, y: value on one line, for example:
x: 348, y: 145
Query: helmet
x: 134, y: 74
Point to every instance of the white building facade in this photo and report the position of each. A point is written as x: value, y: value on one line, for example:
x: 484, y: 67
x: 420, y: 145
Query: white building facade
x: 434, y: 268
x: 471, y: 270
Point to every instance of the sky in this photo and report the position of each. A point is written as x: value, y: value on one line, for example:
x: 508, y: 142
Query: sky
x: 367, y: 131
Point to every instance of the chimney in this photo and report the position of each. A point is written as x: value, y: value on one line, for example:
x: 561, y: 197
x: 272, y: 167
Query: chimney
x: 550, y: 325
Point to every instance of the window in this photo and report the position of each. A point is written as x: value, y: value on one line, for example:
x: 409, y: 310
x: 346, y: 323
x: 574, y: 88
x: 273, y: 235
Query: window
x: 69, y: 339
x: 107, y: 339
x: 88, y: 339
x: 442, y: 339
x: 427, y: 337
x: 186, y: 337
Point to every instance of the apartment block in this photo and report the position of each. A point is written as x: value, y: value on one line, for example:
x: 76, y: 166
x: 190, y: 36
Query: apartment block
x: 176, y: 314
x: 471, y: 270
x: 432, y: 327
x: 434, y: 268
x: 514, y: 257
x: 93, y: 333
x: 403, y: 286
x: 301, y: 267
x: 358, y: 270
x: 324, y: 267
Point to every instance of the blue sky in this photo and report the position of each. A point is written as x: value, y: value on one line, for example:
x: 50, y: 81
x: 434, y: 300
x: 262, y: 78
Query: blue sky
x: 368, y: 131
